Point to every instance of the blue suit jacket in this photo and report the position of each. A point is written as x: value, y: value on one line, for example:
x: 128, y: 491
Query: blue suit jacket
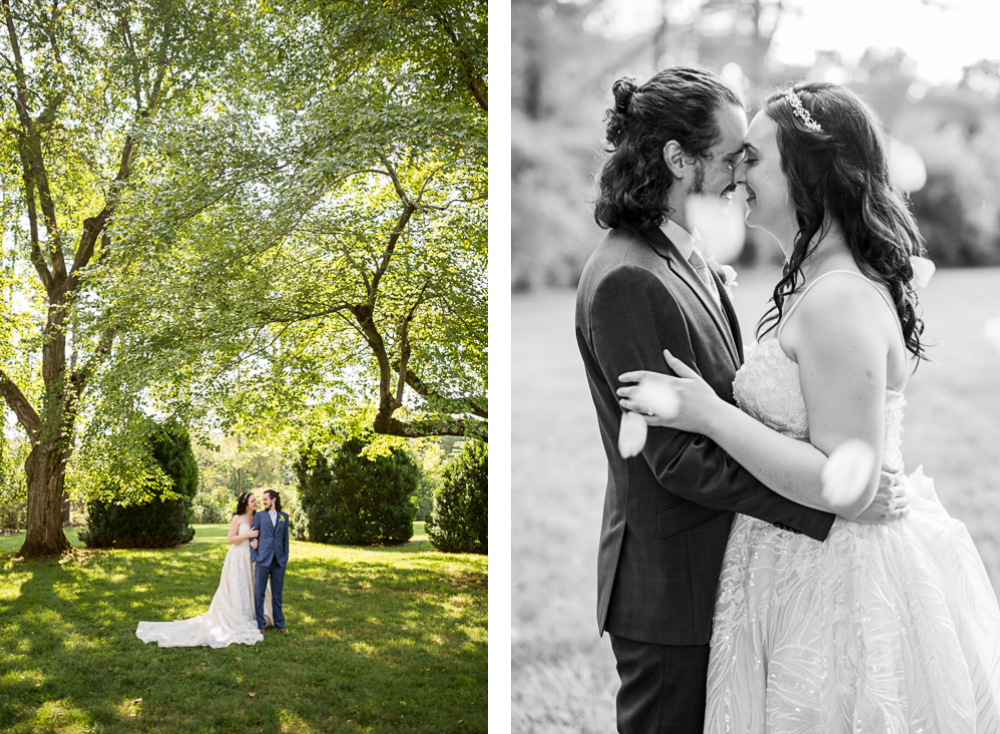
x: 273, y: 539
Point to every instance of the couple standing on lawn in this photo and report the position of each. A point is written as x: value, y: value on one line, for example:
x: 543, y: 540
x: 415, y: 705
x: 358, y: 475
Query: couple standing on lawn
x: 243, y: 605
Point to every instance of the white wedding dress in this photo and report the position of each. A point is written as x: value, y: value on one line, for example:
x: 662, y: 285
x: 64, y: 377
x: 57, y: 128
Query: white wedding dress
x: 882, y: 628
x: 231, y: 616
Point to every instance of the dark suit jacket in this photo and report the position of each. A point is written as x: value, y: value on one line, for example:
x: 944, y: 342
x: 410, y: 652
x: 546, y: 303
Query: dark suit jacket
x: 668, y: 511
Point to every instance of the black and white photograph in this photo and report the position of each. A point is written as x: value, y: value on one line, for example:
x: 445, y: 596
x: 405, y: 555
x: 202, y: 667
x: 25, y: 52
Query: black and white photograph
x: 755, y: 336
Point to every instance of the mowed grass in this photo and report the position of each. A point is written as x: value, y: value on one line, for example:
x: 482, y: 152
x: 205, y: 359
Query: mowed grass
x: 563, y: 675
x: 380, y: 640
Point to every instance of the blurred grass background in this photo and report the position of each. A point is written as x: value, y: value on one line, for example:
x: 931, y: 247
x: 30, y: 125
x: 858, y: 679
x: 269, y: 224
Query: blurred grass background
x: 563, y: 677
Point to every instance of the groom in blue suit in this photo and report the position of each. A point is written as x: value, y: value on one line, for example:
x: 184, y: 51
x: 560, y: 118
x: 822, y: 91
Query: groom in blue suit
x: 270, y: 553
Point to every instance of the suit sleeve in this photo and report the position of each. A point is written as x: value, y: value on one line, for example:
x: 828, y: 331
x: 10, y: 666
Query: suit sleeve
x: 633, y: 318
x: 254, y: 525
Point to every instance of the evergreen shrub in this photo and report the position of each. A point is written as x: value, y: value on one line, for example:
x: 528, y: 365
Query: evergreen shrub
x: 356, y: 500
x: 459, y: 522
x: 158, y: 523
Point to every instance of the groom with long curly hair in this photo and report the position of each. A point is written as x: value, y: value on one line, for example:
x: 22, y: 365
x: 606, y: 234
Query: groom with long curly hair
x: 270, y: 555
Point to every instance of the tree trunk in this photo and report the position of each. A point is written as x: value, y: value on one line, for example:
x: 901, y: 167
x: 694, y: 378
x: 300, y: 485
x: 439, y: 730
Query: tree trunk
x: 46, y: 470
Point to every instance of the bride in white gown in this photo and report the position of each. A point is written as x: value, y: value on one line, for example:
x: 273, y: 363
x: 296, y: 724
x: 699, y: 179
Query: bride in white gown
x: 231, y: 617
x: 881, y: 628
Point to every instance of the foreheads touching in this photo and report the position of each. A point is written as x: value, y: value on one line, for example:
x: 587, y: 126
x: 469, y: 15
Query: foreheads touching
x: 692, y: 108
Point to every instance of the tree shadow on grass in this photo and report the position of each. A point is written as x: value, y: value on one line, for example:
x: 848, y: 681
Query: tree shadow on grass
x: 373, y: 646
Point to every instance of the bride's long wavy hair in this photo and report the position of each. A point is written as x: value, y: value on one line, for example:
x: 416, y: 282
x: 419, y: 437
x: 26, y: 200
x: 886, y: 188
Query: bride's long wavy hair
x: 841, y: 174
x: 242, y: 502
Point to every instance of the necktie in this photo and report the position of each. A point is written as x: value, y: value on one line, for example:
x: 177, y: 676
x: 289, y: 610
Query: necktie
x: 701, y: 268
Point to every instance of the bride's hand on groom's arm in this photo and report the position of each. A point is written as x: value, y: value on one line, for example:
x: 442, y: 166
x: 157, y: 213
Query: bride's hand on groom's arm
x: 685, y: 402
x: 890, y: 502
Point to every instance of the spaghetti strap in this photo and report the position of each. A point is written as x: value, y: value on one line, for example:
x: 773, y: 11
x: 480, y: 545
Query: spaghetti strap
x: 849, y: 272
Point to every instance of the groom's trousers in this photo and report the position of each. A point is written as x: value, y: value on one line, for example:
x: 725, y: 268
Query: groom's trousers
x: 663, y: 687
x: 277, y: 574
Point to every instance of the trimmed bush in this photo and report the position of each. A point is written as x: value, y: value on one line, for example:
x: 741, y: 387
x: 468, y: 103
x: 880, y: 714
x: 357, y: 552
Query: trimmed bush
x: 459, y: 522
x: 356, y: 500
x: 158, y: 523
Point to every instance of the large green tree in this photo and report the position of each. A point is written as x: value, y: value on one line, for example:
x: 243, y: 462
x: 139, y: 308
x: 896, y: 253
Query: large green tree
x: 319, y: 233
x: 81, y: 81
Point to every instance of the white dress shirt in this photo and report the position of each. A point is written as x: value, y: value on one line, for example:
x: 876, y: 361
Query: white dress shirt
x: 274, y: 517
x: 683, y: 240
x: 686, y: 244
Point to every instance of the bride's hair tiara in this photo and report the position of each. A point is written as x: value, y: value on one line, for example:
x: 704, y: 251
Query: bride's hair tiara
x: 801, y: 112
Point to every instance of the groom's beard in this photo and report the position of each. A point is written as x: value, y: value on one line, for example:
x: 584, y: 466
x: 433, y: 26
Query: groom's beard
x: 698, y: 186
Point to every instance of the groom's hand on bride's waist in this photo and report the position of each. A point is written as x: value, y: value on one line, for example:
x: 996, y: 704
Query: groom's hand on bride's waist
x: 890, y: 502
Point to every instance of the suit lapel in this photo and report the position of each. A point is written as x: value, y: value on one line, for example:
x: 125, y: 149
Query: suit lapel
x: 665, y: 249
x: 734, y: 324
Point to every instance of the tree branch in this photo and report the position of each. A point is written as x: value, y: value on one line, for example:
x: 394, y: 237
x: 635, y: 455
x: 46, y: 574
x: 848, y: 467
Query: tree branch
x: 37, y: 259
x: 403, y: 329
x: 431, y: 427
x: 294, y: 317
x: 404, y: 218
x: 48, y: 115
x: 474, y: 84
x: 27, y: 129
x: 16, y: 401
x: 80, y: 377
x: 93, y: 227
x: 31, y: 154
x: 365, y: 316
x: 424, y: 390
x: 391, y: 173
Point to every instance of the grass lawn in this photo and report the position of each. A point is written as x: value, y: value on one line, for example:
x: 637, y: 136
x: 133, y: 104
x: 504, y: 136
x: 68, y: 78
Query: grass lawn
x: 380, y: 640
x: 563, y: 675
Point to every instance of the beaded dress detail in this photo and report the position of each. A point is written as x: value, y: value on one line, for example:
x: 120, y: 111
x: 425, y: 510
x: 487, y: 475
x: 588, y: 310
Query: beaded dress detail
x: 881, y: 628
x: 231, y: 618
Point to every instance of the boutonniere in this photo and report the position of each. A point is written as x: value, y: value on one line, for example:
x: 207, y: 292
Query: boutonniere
x: 281, y: 518
x: 726, y: 272
x: 729, y: 276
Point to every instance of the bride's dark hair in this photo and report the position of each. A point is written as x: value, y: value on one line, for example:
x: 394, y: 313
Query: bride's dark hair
x: 841, y: 174
x: 276, y: 497
x: 241, y: 503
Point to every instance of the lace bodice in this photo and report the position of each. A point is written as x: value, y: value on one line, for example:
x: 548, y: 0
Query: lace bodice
x: 767, y: 387
x: 244, y: 527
